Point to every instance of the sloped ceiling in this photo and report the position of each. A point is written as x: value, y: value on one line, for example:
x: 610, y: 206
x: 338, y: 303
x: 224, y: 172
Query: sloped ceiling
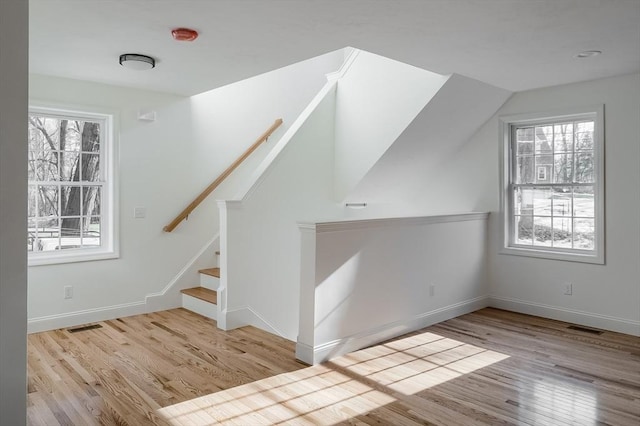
x: 511, y: 44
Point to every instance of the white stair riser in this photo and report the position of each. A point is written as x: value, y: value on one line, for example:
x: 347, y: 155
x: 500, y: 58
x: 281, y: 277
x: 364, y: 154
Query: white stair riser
x: 199, y: 306
x: 210, y: 282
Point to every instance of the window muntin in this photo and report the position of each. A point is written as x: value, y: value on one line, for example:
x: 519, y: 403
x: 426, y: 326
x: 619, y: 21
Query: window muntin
x: 553, y: 201
x: 70, y: 189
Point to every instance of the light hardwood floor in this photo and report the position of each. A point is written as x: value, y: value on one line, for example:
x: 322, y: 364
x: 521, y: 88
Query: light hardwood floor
x: 489, y: 367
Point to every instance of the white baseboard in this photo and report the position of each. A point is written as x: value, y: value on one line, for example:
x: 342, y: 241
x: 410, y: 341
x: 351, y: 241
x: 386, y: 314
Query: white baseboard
x: 325, y: 351
x: 71, y: 319
x: 240, y: 317
x: 588, y: 319
x: 168, y: 298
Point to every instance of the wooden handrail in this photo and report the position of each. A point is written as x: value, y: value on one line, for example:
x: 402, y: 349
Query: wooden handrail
x: 209, y: 189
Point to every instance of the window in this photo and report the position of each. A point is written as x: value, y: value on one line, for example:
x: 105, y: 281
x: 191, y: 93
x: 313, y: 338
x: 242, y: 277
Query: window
x: 71, y: 188
x: 553, y: 182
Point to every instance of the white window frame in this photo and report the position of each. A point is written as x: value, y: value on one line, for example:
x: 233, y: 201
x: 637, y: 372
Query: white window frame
x: 507, y: 123
x: 109, y: 248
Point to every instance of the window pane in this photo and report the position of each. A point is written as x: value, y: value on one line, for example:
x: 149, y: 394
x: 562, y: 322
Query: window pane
x: 32, y: 195
x: 90, y: 167
x: 47, y: 201
x: 544, y: 138
x: 90, y: 136
x: 31, y: 235
x: 43, y: 166
x: 544, y: 165
x: 91, y: 232
x: 70, y: 232
x: 524, y: 141
x: 563, y: 137
x: 542, y: 201
x: 542, y: 231
x: 584, y: 167
x: 32, y: 165
x: 70, y: 201
x: 584, y: 234
x: 48, y: 234
x: 44, y: 133
x: 524, y: 172
x: 91, y: 200
x: 584, y: 201
x: 561, y: 201
x: 562, y: 232
x: 584, y: 136
x: 524, y: 230
x: 70, y: 163
x: 71, y: 140
x: 523, y: 201
x: 563, y: 168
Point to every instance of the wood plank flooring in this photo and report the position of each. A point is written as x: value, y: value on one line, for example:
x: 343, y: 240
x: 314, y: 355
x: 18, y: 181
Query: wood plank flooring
x: 490, y: 367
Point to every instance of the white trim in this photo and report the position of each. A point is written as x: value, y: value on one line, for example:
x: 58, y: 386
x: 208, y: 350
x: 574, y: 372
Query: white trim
x: 506, y: 122
x: 109, y: 152
x: 162, y: 300
x: 52, y: 322
x: 187, y: 267
x: 351, y: 55
x: 346, y: 225
x: 245, y: 315
x: 605, y: 322
x: 325, y: 351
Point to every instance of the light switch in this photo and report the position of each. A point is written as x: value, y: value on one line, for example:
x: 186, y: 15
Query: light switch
x: 139, y: 212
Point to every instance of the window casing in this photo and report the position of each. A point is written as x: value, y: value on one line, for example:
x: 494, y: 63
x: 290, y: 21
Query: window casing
x: 553, y: 185
x: 71, y: 187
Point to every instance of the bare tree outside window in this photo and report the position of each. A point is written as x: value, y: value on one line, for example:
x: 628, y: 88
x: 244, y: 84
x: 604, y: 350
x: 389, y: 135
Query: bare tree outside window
x: 65, y: 183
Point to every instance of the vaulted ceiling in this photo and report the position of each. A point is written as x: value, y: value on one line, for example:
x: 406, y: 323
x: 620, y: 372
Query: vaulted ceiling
x: 513, y: 44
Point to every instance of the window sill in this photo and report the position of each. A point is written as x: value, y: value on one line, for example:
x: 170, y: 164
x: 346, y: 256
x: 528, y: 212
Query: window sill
x: 554, y: 255
x: 41, y: 259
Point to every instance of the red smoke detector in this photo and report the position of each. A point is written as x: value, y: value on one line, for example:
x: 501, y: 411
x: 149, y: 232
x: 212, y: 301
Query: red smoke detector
x: 184, y: 34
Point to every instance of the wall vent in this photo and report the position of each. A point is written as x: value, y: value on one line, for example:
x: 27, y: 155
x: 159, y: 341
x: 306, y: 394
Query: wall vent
x: 84, y: 328
x: 584, y: 329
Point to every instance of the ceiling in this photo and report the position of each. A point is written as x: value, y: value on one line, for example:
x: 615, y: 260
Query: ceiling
x: 513, y: 44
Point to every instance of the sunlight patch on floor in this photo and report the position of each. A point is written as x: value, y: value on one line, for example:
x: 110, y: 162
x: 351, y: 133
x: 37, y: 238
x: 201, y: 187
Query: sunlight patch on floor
x: 343, y: 388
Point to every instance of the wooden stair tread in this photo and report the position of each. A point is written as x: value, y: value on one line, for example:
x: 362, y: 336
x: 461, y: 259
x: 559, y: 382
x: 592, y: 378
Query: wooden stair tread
x: 214, y: 272
x: 202, y: 294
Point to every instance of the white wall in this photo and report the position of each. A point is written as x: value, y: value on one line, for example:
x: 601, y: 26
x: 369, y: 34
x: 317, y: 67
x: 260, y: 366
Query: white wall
x: 382, y: 97
x: 14, y: 18
x: 163, y: 166
x: 260, y: 237
x: 368, y: 280
x: 377, y: 99
x: 420, y: 160
x: 606, y: 296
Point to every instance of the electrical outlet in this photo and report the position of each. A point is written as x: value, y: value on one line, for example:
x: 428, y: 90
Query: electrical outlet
x: 568, y: 289
x: 432, y: 290
x: 139, y: 212
x: 68, y: 292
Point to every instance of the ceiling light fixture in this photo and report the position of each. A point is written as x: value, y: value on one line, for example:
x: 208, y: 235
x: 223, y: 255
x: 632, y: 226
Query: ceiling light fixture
x: 184, y: 34
x: 138, y: 62
x: 588, y: 53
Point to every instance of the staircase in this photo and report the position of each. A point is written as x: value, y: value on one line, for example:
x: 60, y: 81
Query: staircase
x: 203, y: 299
